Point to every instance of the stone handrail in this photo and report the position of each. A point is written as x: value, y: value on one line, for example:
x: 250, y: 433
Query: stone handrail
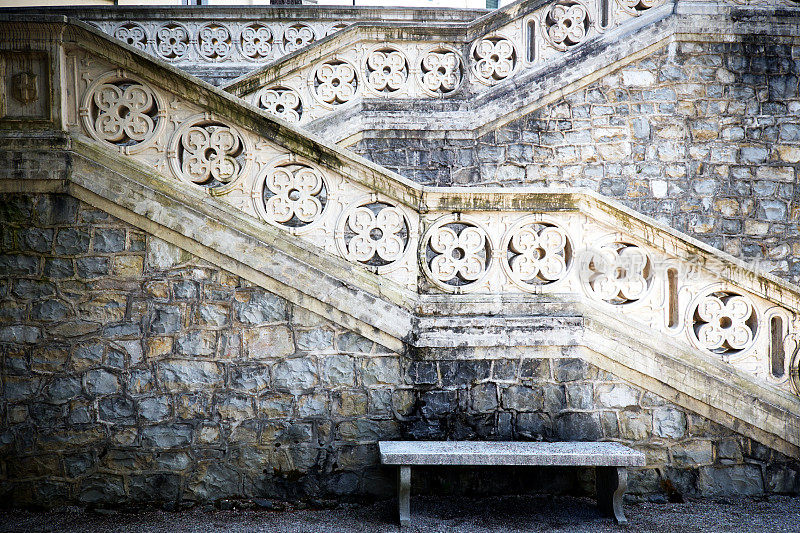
x: 221, y: 43
x: 409, y: 243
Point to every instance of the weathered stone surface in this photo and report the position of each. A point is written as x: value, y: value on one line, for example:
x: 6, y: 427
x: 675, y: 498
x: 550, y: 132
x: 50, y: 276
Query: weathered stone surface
x: 177, y: 375
x: 268, y: 342
x: 668, y: 422
x: 339, y: 370
x: 742, y: 480
x: 100, y: 382
x: 259, y: 308
x: 296, y: 374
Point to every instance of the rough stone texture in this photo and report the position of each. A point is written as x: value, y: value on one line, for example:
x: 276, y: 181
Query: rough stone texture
x: 178, y: 383
x: 704, y: 137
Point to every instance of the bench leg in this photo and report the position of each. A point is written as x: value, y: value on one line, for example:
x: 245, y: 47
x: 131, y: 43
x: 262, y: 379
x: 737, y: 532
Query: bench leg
x: 404, y: 495
x: 611, y: 484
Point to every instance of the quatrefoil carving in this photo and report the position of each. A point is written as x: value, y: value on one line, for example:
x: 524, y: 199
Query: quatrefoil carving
x: 617, y: 273
x: 255, y: 41
x: 441, y: 71
x: 172, y: 41
x: 724, y: 322
x: 567, y: 23
x: 387, y: 70
x: 373, y: 233
x: 334, y: 82
x: 494, y: 59
x: 291, y: 194
x: 121, y: 110
x: 456, y: 253
x: 536, y: 253
x: 210, y: 153
x: 282, y: 102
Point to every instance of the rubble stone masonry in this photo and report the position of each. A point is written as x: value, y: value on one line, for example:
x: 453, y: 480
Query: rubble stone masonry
x: 135, y: 373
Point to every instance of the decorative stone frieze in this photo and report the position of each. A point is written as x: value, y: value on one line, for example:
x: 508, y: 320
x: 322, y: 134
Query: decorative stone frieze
x: 441, y: 71
x: 583, y: 250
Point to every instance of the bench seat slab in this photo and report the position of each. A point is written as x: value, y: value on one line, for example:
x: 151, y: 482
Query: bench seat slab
x: 503, y: 453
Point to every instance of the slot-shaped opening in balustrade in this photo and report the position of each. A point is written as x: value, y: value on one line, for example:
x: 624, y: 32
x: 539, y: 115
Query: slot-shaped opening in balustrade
x: 777, y: 355
x: 531, y: 41
x: 605, y: 13
x: 672, y: 298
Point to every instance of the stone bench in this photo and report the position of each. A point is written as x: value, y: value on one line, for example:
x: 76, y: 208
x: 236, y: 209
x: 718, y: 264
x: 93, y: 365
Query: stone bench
x: 610, y: 458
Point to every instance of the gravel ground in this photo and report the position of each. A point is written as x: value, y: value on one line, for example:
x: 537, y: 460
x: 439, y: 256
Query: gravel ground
x: 429, y: 515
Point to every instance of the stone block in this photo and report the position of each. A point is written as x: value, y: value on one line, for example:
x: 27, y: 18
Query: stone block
x: 571, y: 369
x: 423, y: 373
x: 313, y: 406
x: 578, y: 426
x: 635, y: 425
x: 127, y: 266
x: 71, y: 241
x: 521, y: 398
x: 92, y: 267
x: 202, y: 343
x: 276, y: 405
x: 338, y: 370
x: 616, y: 395
x: 141, y: 381
x: 215, y: 315
x: 314, y: 340
x: 484, y: 397
x: 739, y: 480
x: 249, y: 378
x: 268, y: 342
x: 99, y: 382
x: 108, y: 240
x: 118, y: 410
x: 167, y: 436
x: 155, y: 409
x: 669, y: 423
x: 235, y: 408
x: 104, y: 308
x: 181, y: 375
x: 165, y: 319
x: 296, y: 374
x: 579, y: 395
x: 694, y: 453
x: 58, y: 268
x: 259, y: 308
x: 380, y: 371
x: 535, y: 369
x: 353, y: 343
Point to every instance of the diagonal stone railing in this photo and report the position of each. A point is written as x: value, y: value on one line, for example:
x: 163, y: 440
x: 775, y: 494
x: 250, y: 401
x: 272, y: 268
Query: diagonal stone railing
x: 219, y: 44
x: 468, y: 73
x: 411, y: 267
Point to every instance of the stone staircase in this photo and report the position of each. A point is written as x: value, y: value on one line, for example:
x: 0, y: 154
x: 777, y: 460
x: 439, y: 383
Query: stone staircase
x: 438, y: 275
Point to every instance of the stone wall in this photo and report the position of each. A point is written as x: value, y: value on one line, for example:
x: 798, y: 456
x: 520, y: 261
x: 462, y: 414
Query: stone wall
x: 703, y: 136
x: 134, y: 373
